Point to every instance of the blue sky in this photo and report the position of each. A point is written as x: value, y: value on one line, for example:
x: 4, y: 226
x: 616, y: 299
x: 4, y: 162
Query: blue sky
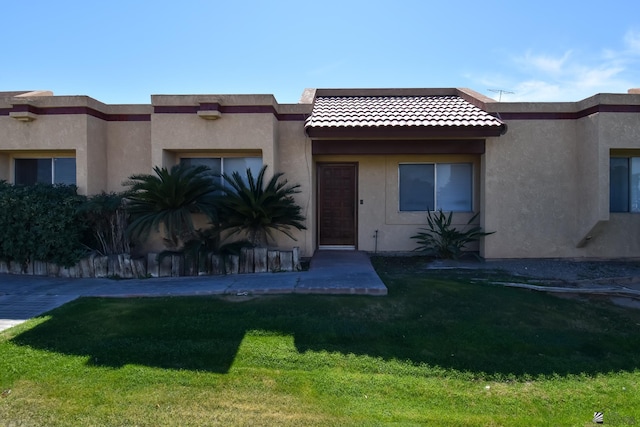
x: 121, y: 52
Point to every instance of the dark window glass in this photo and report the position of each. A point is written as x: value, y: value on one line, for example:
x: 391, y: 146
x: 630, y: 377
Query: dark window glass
x: 45, y: 171
x: 619, y: 184
x: 417, y: 183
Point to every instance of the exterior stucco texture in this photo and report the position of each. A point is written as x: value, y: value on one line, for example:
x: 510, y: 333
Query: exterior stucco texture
x: 540, y: 172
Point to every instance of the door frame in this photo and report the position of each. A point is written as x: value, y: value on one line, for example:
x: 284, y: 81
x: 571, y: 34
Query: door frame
x: 319, y: 166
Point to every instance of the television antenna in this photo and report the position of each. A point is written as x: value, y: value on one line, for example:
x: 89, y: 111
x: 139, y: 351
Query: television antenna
x: 500, y: 92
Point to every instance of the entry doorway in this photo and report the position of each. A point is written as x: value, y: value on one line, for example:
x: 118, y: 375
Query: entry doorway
x: 337, y: 195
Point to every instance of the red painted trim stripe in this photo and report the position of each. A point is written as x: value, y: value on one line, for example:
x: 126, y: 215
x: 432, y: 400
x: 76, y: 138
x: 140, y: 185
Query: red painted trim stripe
x: 602, y: 108
x: 53, y: 111
x: 176, y: 109
x: 268, y: 109
x: 94, y: 113
x: 248, y: 109
x: 179, y: 109
x: 228, y: 109
x: 292, y: 117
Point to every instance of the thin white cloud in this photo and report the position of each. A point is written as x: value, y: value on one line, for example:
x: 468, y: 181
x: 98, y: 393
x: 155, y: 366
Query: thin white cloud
x: 604, y: 76
x: 545, y: 63
x: 532, y: 90
x: 632, y: 41
x: 570, y: 76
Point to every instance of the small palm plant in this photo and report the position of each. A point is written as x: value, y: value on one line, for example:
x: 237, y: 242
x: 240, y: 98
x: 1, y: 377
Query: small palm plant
x: 254, y: 208
x: 442, y: 240
x: 169, y: 198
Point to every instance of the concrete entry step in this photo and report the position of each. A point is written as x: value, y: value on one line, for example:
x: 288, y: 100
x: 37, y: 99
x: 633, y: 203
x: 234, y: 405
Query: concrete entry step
x: 341, y: 272
x: 340, y: 259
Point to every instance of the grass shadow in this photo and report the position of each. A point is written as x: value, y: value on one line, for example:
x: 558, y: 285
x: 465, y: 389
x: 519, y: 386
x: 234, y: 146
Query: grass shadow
x: 428, y: 319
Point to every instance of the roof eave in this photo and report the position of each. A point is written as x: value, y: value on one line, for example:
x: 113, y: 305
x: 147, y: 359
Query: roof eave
x: 408, y: 132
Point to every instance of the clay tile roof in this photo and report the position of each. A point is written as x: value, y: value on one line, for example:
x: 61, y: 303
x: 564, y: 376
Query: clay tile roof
x: 398, y: 111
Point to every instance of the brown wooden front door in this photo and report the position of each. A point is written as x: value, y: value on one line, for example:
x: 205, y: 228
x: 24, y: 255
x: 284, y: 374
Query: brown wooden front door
x: 337, y: 195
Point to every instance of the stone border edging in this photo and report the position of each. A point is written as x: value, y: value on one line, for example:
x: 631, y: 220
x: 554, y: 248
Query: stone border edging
x: 250, y: 260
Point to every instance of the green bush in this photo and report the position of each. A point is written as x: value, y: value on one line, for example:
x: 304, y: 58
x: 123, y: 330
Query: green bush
x: 441, y: 240
x: 41, y: 222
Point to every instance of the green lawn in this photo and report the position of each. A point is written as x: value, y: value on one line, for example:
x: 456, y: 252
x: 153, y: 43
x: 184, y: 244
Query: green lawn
x: 444, y: 349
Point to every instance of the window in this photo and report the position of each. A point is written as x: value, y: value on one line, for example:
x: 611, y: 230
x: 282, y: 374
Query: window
x: 446, y: 186
x: 624, y: 184
x: 227, y: 165
x: 57, y: 170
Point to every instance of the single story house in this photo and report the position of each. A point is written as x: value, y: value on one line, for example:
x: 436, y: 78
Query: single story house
x: 552, y: 180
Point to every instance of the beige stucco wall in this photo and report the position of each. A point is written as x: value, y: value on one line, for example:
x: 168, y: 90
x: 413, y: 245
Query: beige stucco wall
x: 615, y: 234
x: 93, y: 159
x: 129, y: 146
x: 378, y: 199
x: 103, y: 150
x: 543, y: 187
x: 592, y: 158
x: 529, y: 190
x: 46, y: 136
x: 282, y: 145
x: 176, y: 135
x: 545, y: 184
x: 295, y: 161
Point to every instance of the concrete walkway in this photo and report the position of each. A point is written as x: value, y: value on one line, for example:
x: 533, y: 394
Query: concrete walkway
x: 330, y: 272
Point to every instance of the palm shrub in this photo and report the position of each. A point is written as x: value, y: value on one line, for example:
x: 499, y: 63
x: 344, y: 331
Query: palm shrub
x: 441, y: 240
x: 255, y: 208
x: 170, y: 198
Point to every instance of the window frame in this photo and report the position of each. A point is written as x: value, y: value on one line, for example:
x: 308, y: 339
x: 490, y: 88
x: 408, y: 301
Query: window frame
x: 629, y: 183
x: 436, y: 207
x: 222, y: 157
x: 45, y: 156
